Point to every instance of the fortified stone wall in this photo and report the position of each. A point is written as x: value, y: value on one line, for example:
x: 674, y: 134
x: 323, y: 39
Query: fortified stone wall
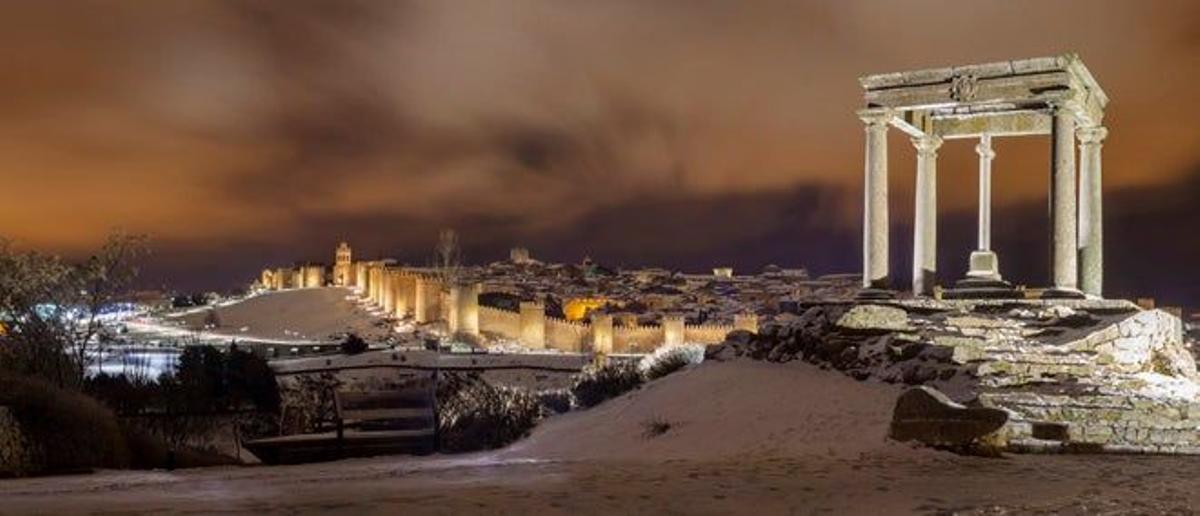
x: 401, y: 293
x: 637, y: 339
x: 706, y: 333
x: 568, y: 336
x: 500, y: 322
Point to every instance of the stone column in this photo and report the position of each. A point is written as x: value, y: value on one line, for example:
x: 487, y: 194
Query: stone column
x: 533, y: 325
x: 1091, y: 223
x: 875, y: 202
x: 925, y: 219
x: 602, y: 334
x: 673, y: 327
x: 984, y: 263
x: 1064, y: 259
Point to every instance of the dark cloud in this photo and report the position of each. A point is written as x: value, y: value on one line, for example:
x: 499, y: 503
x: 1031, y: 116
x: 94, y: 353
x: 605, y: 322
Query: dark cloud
x: 680, y: 133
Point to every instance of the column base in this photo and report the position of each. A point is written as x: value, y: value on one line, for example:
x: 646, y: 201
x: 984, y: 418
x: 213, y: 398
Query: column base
x: 982, y: 288
x: 983, y: 281
x: 875, y: 294
x: 1063, y: 293
x: 985, y: 265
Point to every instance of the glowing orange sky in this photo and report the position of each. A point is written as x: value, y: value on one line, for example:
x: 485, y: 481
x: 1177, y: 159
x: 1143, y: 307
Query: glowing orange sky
x: 239, y: 121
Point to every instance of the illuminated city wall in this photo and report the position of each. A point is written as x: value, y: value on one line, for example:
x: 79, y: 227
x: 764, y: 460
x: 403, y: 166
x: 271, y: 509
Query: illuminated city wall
x: 401, y: 293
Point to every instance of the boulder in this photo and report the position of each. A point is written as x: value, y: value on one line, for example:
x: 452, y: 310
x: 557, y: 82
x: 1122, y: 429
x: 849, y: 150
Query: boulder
x: 874, y: 318
x: 926, y: 415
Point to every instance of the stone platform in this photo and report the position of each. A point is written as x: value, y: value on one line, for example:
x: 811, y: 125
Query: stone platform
x: 1081, y: 375
x: 1074, y: 375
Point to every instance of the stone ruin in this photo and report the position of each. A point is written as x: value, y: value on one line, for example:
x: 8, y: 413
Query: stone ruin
x: 1054, y: 96
x: 1071, y: 375
x: 1042, y: 369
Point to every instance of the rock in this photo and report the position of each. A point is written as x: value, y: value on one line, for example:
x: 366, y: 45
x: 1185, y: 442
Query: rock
x: 1022, y: 313
x: 742, y: 337
x: 925, y: 415
x: 721, y: 352
x: 1055, y: 312
x: 874, y: 317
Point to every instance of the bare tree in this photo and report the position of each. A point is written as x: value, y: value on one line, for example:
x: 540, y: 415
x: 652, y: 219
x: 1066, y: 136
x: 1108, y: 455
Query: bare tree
x: 53, y: 309
x: 448, y: 258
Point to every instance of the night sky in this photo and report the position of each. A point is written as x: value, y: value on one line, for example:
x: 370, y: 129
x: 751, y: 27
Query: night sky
x: 678, y: 133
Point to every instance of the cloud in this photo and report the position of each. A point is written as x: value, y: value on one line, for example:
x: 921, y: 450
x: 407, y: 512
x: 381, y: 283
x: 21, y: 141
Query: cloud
x: 265, y: 126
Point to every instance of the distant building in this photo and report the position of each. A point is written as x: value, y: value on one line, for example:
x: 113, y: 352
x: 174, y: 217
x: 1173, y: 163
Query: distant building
x: 342, y: 266
x: 519, y: 255
x: 723, y: 272
x: 577, y: 309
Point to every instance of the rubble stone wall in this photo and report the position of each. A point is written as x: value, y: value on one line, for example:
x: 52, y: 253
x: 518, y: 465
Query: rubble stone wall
x: 1074, y: 375
x: 15, y: 453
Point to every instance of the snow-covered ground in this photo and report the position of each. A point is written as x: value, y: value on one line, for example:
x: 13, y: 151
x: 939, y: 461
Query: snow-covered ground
x: 742, y: 437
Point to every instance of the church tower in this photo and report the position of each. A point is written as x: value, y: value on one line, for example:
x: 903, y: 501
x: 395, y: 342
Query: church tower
x: 341, y: 266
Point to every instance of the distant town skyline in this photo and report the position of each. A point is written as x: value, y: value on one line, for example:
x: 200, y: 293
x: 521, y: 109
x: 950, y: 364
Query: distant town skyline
x: 685, y: 135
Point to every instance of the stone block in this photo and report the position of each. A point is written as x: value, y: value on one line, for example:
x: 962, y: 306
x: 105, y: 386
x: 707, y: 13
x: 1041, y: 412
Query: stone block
x: 875, y: 317
x: 926, y: 415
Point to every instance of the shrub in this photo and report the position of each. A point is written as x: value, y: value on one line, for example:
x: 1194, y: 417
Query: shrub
x: 668, y: 359
x: 68, y: 430
x: 655, y: 427
x: 595, y: 384
x: 555, y: 401
x: 476, y: 415
x: 353, y: 344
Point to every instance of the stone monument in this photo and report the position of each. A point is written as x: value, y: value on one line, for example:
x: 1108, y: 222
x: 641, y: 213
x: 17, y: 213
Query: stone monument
x: 1055, y: 96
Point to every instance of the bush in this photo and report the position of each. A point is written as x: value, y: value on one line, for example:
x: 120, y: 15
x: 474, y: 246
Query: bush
x: 668, y: 359
x: 120, y: 393
x: 655, y: 427
x: 353, y: 344
x: 476, y: 415
x: 598, y: 383
x: 68, y: 430
x: 555, y: 401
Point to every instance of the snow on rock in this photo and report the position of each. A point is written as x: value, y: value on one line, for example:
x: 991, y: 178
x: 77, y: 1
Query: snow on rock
x: 875, y: 317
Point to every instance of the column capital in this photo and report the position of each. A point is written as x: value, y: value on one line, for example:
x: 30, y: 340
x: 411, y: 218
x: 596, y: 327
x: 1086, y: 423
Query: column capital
x: 1069, y: 106
x: 927, y: 144
x: 984, y: 148
x: 875, y: 118
x: 1091, y: 135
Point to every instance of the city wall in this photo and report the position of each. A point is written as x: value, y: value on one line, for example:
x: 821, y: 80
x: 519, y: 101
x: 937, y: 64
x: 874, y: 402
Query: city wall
x: 419, y: 295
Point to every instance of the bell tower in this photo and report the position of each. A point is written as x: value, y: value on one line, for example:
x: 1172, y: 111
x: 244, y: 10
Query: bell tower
x: 341, y: 266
